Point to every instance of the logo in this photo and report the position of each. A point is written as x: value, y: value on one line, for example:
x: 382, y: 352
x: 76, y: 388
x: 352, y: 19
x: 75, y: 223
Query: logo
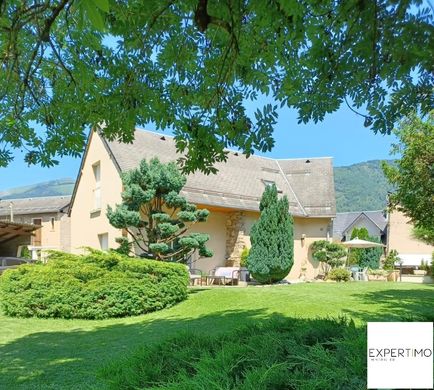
x: 400, y: 355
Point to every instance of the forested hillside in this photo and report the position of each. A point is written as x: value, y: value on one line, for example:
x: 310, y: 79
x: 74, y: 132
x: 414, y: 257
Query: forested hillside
x: 361, y: 186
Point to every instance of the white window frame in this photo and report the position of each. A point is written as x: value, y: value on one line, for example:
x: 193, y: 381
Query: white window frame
x: 96, y: 193
x: 103, y: 239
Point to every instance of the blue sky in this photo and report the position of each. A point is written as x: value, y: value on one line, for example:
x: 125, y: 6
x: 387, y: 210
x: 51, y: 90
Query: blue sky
x: 341, y: 135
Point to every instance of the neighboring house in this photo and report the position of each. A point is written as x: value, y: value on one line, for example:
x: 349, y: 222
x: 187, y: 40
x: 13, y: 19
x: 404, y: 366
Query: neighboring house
x: 400, y: 238
x: 374, y: 221
x: 50, y: 213
x: 232, y: 196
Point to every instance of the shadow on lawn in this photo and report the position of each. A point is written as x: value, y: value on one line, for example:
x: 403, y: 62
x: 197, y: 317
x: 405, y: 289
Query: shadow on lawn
x: 396, y: 304
x: 71, y: 359
x: 64, y: 360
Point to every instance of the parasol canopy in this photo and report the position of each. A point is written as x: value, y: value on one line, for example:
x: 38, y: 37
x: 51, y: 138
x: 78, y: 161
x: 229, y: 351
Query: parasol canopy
x: 358, y: 243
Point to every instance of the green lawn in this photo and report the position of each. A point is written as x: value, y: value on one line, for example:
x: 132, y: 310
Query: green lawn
x: 67, y: 354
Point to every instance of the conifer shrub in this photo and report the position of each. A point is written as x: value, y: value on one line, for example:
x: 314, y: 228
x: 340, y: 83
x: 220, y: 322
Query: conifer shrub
x: 93, y: 286
x: 271, y: 255
x: 290, y: 353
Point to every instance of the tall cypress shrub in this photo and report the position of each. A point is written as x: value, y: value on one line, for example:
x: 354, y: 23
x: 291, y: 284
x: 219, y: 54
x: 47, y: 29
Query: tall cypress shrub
x: 272, y: 253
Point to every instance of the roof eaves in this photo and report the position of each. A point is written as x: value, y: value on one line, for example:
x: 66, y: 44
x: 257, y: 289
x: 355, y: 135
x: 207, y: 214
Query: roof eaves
x: 80, y: 169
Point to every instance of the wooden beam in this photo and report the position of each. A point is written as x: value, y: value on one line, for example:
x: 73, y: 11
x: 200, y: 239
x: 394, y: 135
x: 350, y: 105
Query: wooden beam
x: 10, y: 238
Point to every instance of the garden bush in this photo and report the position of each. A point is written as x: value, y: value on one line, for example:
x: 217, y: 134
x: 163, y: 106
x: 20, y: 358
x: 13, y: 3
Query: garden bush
x: 339, y: 275
x: 281, y: 353
x: 271, y: 255
x: 92, y: 286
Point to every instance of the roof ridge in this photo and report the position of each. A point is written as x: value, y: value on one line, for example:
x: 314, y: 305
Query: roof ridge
x: 290, y: 188
x: 237, y: 151
x: 359, y: 212
x: 35, y: 197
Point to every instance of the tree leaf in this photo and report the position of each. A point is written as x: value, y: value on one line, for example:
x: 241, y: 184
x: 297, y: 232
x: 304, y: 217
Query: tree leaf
x: 94, y: 15
x: 103, y: 5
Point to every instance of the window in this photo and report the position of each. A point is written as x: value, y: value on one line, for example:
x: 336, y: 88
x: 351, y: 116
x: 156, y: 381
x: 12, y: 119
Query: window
x: 97, y: 172
x: 103, y: 241
x: 97, y: 190
x: 97, y: 198
x: 52, y: 223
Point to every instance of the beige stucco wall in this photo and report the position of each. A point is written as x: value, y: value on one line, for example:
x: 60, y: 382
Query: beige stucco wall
x: 85, y: 224
x: 400, y: 236
x: 215, y: 226
x: 51, y: 234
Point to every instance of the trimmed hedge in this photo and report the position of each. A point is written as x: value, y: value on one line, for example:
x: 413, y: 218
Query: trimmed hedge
x: 93, y: 286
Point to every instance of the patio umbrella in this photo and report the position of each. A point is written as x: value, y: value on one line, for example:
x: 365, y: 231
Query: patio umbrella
x: 358, y: 243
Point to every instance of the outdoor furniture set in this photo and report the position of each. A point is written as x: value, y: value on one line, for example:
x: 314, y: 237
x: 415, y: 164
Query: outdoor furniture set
x: 220, y: 276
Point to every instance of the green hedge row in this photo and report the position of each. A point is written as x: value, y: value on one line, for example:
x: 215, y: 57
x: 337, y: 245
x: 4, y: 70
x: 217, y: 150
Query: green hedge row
x: 290, y: 353
x: 93, y: 286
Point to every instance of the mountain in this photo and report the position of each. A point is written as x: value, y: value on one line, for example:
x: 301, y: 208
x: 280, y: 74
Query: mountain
x: 49, y: 188
x: 358, y: 187
x: 361, y: 186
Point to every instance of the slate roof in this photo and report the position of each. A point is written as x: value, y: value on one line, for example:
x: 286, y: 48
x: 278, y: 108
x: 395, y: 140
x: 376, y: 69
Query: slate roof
x: 46, y: 204
x: 344, y: 220
x: 240, y: 182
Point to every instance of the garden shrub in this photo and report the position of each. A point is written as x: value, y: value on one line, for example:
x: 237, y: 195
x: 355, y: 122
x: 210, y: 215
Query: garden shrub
x: 339, y: 275
x: 244, y: 256
x: 331, y: 254
x: 279, y: 353
x: 272, y: 253
x: 93, y: 286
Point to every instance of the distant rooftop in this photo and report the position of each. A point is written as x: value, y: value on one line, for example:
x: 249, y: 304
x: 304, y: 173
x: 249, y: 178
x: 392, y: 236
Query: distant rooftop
x: 37, y: 205
x: 344, y: 220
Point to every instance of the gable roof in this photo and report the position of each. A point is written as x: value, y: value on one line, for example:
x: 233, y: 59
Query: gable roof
x: 46, y: 204
x: 343, y: 221
x: 240, y: 182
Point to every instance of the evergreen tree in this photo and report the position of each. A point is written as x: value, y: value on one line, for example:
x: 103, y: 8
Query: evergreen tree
x: 272, y: 253
x: 156, y: 216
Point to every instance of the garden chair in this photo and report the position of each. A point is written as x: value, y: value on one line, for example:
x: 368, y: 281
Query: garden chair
x: 355, y: 273
x: 363, y: 274
x: 224, y: 275
x: 195, y: 274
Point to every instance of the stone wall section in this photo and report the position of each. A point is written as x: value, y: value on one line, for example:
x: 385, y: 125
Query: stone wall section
x: 236, y: 238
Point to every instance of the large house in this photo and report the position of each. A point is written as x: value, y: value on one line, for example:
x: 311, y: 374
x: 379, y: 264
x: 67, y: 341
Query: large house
x: 49, y: 213
x: 232, y: 196
x: 400, y: 237
x: 374, y: 221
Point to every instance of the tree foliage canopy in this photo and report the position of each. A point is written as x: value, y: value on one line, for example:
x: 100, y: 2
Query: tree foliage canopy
x: 272, y: 253
x: 413, y: 174
x: 156, y: 216
x: 191, y: 65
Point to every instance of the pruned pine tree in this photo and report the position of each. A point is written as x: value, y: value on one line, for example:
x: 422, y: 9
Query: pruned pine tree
x: 156, y: 216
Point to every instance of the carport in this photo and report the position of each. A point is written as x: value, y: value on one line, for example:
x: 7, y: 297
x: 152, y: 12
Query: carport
x: 14, y: 234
